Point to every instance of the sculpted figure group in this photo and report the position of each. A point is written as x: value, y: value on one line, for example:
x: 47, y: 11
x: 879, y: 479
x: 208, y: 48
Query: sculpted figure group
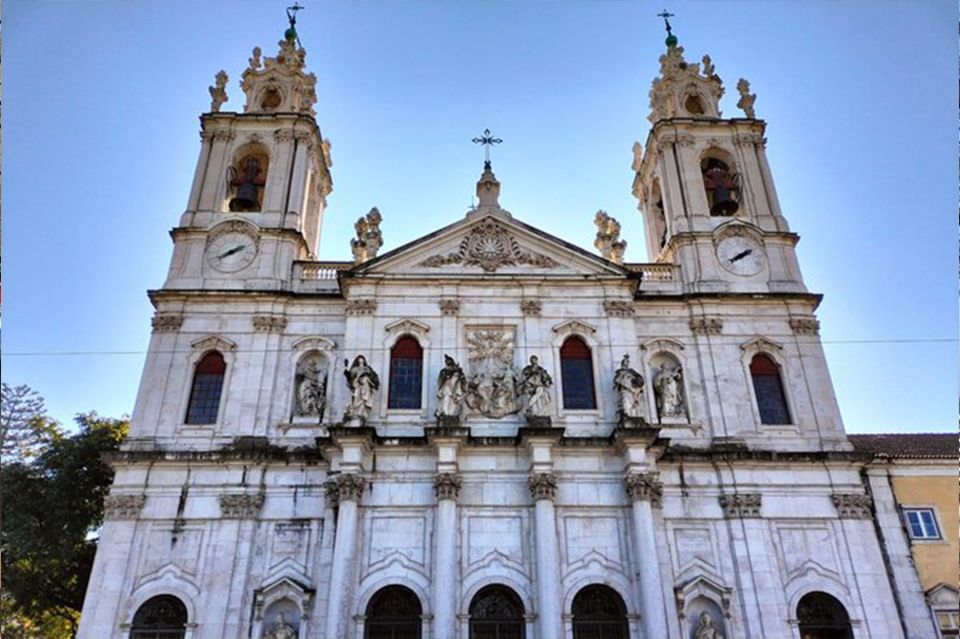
x: 496, y: 394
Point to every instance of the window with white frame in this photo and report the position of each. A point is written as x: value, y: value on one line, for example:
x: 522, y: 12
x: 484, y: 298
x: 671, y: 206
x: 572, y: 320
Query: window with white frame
x: 948, y: 622
x: 921, y: 523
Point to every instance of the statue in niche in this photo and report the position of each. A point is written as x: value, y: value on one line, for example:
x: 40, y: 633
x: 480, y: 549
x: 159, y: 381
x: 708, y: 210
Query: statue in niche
x: 668, y: 388
x: 535, y: 383
x: 451, y: 388
x: 311, y: 384
x: 281, y: 629
x: 629, y: 386
x: 705, y: 628
x: 492, y: 387
x: 362, y: 382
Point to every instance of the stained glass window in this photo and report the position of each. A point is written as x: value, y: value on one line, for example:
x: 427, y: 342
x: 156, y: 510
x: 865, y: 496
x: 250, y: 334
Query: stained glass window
x: 576, y: 373
x: 768, y: 388
x: 205, y: 392
x: 406, y: 374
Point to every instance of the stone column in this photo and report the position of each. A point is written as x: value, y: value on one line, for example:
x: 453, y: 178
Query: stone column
x: 880, y: 609
x: 193, y: 202
x: 447, y: 488
x: 214, y: 184
x: 296, y: 198
x: 345, y: 492
x: 744, y: 506
x: 645, y: 491
x: 543, y: 489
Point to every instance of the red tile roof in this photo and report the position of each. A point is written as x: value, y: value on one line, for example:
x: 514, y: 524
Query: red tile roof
x: 909, y: 445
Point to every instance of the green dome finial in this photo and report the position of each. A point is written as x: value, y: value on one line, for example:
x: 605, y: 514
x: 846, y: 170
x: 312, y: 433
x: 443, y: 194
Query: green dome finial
x: 290, y: 35
x: 671, y: 40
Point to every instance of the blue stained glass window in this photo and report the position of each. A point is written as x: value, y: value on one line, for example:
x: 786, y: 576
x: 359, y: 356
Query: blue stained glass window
x: 406, y: 374
x: 205, y: 392
x: 576, y: 373
x: 768, y: 389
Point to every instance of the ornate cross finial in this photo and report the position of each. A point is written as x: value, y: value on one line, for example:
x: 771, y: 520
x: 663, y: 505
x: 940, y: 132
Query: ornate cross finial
x: 487, y: 140
x: 666, y: 15
x: 291, y: 33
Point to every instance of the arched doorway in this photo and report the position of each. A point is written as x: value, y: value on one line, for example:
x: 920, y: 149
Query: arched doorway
x: 393, y: 612
x: 821, y: 616
x: 496, y: 612
x: 161, y: 617
x: 599, y: 613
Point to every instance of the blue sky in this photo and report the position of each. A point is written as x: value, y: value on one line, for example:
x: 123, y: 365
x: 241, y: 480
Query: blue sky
x: 100, y: 141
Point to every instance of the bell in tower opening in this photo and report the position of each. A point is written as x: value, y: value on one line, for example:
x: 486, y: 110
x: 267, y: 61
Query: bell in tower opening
x: 246, y: 178
x: 722, y: 185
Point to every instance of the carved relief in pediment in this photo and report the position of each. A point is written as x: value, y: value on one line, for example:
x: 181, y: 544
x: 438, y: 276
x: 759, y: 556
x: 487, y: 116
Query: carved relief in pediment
x: 490, y: 246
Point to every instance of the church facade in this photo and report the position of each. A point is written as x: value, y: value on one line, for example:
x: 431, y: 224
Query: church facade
x: 489, y: 431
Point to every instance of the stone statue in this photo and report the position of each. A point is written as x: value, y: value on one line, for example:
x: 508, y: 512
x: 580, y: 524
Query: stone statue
x: 668, y: 387
x: 746, y: 99
x: 608, y: 240
x: 637, y: 157
x: 281, y: 629
x: 362, y: 382
x: 451, y: 389
x: 492, y: 386
x: 535, y: 383
x: 708, y: 68
x: 311, y: 387
x: 369, y: 237
x: 254, y: 60
x: 218, y: 92
x: 629, y: 386
x: 705, y: 629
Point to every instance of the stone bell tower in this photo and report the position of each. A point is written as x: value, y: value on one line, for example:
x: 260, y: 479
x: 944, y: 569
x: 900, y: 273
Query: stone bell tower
x: 704, y: 186
x: 261, y: 182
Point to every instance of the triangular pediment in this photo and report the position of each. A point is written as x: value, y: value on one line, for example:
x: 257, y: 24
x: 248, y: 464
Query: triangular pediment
x: 486, y: 244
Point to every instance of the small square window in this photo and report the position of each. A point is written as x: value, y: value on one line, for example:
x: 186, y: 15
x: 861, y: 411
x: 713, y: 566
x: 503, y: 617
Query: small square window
x: 922, y: 523
x: 948, y: 622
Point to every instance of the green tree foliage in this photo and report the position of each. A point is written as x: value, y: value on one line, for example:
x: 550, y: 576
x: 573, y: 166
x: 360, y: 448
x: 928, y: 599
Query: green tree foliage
x: 24, y: 425
x: 52, y: 509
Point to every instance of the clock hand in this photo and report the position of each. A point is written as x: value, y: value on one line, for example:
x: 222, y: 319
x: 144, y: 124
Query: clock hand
x: 740, y: 255
x: 235, y: 249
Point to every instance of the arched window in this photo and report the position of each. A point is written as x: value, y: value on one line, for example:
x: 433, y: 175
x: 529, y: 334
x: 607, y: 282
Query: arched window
x: 406, y: 374
x: 821, y: 616
x: 722, y: 186
x: 599, y: 613
x: 768, y: 389
x: 162, y: 617
x: 205, y: 391
x: 496, y: 612
x: 576, y: 373
x: 394, y: 612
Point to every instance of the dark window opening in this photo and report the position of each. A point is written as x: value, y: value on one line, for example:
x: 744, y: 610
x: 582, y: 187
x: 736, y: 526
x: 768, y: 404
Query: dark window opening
x: 406, y: 374
x: 496, y: 612
x: 576, y: 373
x: 768, y: 388
x: 162, y: 617
x: 394, y: 612
x: 599, y: 613
x: 205, y: 392
x: 821, y: 616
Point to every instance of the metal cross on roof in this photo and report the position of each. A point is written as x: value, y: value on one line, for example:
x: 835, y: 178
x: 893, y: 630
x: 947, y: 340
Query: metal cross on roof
x: 487, y: 140
x: 666, y: 20
x: 292, y: 14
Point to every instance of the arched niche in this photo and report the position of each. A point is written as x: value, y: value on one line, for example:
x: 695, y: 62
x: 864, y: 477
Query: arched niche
x: 721, y: 182
x: 703, y: 614
x: 311, y: 380
x: 668, y: 389
x: 247, y: 178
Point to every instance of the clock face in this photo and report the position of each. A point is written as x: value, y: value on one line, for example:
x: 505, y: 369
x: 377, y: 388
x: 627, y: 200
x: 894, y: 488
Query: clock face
x: 741, y: 255
x: 231, y: 251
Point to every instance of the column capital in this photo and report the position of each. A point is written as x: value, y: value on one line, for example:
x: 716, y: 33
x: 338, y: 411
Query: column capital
x: 346, y: 487
x: 543, y: 486
x: 447, y: 486
x: 852, y: 505
x: 741, y: 505
x: 644, y: 487
x: 244, y: 506
x: 123, y: 506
